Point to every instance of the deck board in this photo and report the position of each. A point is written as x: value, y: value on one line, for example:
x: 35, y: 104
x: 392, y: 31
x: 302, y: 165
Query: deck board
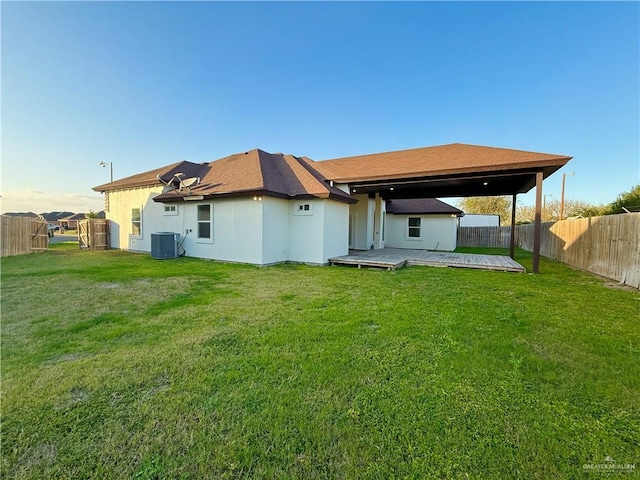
x: 392, y: 258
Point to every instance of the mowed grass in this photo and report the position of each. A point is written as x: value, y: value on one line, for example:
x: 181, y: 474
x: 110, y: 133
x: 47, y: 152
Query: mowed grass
x: 115, y: 365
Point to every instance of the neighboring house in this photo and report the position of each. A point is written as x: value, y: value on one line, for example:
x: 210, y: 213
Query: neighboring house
x: 478, y: 220
x: 23, y: 214
x: 262, y: 208
x: 71, y: 222
x: 54, y: 218
x: 422, y: 223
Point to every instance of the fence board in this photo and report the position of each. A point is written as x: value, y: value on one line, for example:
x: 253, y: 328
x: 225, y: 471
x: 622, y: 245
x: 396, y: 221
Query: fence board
x: 484, y: 236
x: 608, y: 246
x: 21, y: 235
x: 93, y: 234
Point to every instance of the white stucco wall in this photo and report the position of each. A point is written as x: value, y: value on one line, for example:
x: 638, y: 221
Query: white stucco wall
x: 120, y: 205
x: 244, y: 230
x: 306, y: 236
x: 363, y: 215
x: 275, y: 230
x: 437, y: 232
x: 237, y: 231
x: 237, y: 225
x: 336, y: 229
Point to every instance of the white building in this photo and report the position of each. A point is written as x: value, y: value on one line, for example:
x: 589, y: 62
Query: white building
x: 479, y: 220
x: 253, y: 207
x: 261, y: 208
x: 422, y: 223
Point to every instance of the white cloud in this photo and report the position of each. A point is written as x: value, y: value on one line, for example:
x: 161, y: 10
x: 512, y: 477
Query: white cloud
x: 38, y: 201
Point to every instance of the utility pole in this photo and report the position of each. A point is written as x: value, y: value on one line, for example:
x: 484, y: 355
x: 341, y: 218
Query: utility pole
x: 564, y: 175
x: 104, y: 164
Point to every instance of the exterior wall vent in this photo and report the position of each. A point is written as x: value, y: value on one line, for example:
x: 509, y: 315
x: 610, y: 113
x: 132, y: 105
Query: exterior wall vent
x: 164, y: 245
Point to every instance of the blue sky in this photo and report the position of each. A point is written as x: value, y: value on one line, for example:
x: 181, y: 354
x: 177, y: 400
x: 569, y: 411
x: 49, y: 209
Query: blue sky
x: 146, y: 84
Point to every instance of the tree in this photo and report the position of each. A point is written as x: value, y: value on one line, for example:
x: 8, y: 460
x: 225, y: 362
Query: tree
x: 551, y: 211
x: 629, y: 200
x: 91, y: 214
x: 488, y: 206
x: 591, y: 211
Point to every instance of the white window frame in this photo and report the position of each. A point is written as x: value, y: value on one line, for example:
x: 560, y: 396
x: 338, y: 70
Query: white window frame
x: 200, y: 239
x: 173, y: 209
x: 139, y: 222
x: 409, y: 227
x: 303, y: 208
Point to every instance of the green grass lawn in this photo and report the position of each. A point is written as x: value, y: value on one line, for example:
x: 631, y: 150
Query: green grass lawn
x: 115, y: 365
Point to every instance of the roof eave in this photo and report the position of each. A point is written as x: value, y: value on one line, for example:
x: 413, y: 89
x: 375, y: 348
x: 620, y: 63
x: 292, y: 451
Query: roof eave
x: 545, y: 165
x: 457, y: 214
x: 105, y: 188
x: 165, y: 198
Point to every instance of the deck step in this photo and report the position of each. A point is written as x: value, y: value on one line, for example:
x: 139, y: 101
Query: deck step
x: 393, y: 258
x: 363, y: 262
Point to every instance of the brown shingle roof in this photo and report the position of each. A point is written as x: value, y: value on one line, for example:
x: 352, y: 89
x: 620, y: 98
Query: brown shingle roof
x: 249, y: 173
x: 430, y: 161
x: 257, y: 172
x: 421, y: 206
x: 74, y: 216
x: 151, y: 177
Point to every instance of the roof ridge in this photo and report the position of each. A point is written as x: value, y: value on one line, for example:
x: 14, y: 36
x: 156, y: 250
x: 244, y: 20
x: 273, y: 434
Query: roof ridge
x: 434, y: 147
x: 260, y: 169
x: 332, y: 191
x: 307, y: 169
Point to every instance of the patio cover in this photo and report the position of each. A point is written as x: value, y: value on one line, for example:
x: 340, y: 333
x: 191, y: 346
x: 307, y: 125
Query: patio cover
x: 454, y: 170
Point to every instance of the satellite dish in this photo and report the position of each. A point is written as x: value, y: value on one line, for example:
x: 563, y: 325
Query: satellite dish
x: 177, y: 183
x: 190, y: 182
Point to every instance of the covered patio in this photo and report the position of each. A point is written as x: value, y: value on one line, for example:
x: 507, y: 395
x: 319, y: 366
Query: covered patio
x: 393, y: 258
x: 455, y: 170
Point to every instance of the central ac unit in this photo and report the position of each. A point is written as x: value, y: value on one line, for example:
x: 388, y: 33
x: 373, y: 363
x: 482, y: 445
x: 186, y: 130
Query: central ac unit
x: 164, y: 245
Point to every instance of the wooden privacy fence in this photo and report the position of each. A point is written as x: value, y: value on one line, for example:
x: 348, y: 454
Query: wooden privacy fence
x: 484, y: 236
x: 608, y: 245
x: 22, y: 235
x: 93, y: 234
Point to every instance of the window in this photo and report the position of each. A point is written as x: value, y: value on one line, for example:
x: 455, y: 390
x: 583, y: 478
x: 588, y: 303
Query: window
x: 303, y: 208
x: 413, y: 230
x: 204, y: 222
x: 136, y: 221
x: 171, y: 209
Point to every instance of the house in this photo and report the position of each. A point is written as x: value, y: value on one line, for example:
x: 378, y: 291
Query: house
x: 70, y: 222
x: 54, y: 218
x: 23, y: 214
x: 262, y: 208
x: 421, y: 223
x: 252, y: 207
x: 479, y: 220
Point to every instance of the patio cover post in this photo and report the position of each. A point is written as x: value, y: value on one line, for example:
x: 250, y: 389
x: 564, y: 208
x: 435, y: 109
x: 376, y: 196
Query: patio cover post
x: 512, y: 241
x: 536, y: 224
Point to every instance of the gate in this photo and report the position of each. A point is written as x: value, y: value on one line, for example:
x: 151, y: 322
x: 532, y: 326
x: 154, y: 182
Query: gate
x: 39, y: 235
x: 93, y: 234
x: 83, y: 233
x: 22, y: 235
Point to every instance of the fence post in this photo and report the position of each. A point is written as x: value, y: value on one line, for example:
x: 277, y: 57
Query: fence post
x: 536, y: 225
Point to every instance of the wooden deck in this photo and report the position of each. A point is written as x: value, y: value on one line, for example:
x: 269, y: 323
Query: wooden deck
x: 392, y: 258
